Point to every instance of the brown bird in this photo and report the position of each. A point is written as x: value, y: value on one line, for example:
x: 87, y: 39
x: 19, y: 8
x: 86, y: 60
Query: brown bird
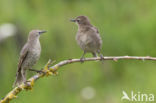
x: 29, y: 55
x: 88, y: 37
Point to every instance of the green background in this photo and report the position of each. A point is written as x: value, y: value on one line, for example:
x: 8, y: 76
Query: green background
x: 127, y: 27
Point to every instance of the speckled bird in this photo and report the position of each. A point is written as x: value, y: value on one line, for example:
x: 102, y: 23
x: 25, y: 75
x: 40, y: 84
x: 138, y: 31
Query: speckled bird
x: 29, y: 55
x: 88, y: 37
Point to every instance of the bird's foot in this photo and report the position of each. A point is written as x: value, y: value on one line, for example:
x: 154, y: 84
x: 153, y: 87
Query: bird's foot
x: 28, y: 84
x: 101, y: 57
x: 82, y: 60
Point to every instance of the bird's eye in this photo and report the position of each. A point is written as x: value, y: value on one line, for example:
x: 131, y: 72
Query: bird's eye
x: 78, y: 20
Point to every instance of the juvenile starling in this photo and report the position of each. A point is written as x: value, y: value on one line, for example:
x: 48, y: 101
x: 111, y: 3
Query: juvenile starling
x: 88, y: 37
x: 29, y: 55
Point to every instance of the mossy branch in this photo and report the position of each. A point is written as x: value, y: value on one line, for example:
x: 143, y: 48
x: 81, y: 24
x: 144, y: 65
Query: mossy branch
x: 47, y: 70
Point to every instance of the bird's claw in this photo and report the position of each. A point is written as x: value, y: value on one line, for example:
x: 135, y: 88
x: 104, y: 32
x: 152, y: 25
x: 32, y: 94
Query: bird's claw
x: 101, y: 57
x: 82, y: 60
x: 29, y: 84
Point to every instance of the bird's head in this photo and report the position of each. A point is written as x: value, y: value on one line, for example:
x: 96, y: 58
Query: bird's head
x: 81, y: 20
x: 35, y: 34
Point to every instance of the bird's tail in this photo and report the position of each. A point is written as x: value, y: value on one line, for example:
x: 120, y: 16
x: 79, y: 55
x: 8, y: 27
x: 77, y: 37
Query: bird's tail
x: 20, y: 78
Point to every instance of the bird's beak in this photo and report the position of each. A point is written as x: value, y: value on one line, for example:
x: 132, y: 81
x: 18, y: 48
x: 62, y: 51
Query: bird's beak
x: 43, y: 31
x: 73, y: 20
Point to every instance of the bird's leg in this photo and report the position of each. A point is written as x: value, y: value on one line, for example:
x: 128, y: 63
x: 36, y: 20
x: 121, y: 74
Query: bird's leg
x: 23, y: 72
x: 101, y: 56
x: 82, y: 58
x: 38, y: 71
x: 94, y: 54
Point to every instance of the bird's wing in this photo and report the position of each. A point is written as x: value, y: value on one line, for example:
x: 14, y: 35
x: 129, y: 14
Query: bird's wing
x: 23, y: 55
x: 94, y: 36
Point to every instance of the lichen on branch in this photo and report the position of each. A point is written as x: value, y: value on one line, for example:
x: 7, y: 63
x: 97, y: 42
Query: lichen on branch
x: 50, y: 70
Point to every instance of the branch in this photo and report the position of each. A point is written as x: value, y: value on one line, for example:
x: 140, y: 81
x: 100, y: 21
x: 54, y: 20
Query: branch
x: 53, y: 70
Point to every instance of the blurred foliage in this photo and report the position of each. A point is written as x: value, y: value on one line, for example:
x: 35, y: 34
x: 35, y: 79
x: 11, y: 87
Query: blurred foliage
x: 127, y: 27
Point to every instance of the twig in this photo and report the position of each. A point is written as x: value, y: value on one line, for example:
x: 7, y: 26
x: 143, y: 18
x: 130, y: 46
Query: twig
x: 53, y: 70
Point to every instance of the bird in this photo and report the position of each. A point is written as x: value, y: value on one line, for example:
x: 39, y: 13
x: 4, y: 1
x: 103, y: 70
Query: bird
x: 29, y: 55
x: 88, y: 37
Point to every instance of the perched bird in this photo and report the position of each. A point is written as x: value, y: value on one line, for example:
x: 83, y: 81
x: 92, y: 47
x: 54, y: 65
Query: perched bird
x: 88, y: 37
x: 29, y: 55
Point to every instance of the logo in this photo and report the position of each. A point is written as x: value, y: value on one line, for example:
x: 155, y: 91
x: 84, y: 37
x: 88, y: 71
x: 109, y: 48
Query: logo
x: 141, y: 97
